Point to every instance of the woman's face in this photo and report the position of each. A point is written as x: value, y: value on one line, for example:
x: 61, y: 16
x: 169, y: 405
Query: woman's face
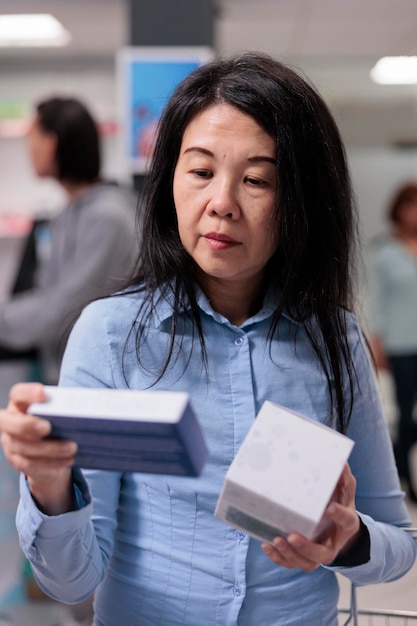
x: 224, y: 193
x: 42, y: 150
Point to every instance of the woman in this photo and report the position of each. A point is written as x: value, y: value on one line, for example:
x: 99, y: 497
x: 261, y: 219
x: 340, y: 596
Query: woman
x: 393, y: 318
x: 241, y: 295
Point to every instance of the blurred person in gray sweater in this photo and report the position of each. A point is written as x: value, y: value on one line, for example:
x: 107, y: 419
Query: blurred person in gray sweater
x: 85, y: 251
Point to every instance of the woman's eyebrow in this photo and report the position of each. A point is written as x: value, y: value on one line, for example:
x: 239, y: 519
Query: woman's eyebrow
x: 199, y: 149
x: 254, y: 159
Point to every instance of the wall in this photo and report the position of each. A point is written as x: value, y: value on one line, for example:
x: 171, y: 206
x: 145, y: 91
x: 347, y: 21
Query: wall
x: 21, y: 191
x: 376, y: 173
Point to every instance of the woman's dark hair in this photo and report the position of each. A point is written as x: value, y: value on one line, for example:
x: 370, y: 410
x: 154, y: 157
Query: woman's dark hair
x: 404, y: 195
x: 78, y: 144
x: 315, y: 215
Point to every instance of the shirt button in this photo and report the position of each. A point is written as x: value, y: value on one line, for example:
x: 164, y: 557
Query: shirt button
x: 237, y: 590
x: 240, y: 535
x: 239, y: 341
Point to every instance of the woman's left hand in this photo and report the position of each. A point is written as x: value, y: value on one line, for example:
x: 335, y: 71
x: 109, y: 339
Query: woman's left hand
x: 341, y: 529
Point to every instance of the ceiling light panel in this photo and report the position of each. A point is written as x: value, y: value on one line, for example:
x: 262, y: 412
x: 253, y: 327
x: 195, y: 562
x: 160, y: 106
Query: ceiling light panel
x: 26, y: 30
x: 401, y: 70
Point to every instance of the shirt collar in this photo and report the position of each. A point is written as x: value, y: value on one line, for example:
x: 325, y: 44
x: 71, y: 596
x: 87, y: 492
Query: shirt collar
x: 165, y: 302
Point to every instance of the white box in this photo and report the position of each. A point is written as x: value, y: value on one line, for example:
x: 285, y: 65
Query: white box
x: 283, y: 475
x: 126, y: 430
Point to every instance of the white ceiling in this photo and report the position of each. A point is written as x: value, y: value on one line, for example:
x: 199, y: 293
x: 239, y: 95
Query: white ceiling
x: 335, y: 42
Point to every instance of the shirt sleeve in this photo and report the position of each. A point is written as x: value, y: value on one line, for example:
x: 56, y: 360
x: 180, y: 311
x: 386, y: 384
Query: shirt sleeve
x: 84, y: 542
x: 84, y: 547
x: 360, y: 553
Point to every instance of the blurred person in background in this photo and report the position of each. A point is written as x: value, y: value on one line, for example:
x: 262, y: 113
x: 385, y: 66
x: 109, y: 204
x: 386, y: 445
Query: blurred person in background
x: 88, y: 247
x: 81, y: 253
x: 393, y: 318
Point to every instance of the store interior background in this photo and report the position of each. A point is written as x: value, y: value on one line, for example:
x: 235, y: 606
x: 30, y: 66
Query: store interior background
x: 334, y: 42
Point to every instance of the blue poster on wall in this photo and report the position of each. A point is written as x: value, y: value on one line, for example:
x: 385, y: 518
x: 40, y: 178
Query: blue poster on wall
x: 147, y: 77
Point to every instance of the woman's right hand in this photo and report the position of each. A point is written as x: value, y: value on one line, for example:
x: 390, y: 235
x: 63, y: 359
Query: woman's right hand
x: 45, y: 462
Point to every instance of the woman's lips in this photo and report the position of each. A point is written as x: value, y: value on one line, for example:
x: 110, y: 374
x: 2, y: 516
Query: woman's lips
x: 217, y: 241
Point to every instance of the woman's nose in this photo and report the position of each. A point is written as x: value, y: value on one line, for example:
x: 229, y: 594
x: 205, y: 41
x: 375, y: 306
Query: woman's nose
x: 223, y: 201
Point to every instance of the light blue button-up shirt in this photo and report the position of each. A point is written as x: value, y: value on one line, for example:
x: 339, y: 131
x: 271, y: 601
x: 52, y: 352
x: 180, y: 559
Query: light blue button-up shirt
x: 151, y: 543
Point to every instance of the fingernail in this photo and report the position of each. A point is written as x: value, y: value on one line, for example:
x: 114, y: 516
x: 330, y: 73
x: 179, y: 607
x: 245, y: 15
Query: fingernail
x: 43, y: 427
x: 296, y: 542
x: 280, y: 544
x: 69, y: 447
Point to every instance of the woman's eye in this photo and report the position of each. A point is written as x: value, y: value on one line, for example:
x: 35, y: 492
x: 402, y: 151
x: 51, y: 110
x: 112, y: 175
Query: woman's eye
x: 202, y: 173
x: 257, y: 182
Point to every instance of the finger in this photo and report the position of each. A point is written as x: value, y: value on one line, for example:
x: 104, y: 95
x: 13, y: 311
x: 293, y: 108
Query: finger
x: 346, y: 487
x: 23, y: 394
x: 49, y: 454
x: 45, y: 449
x: 345, y: 519
x: 345, y: 526
x: 350, y: 487
x: 24, y: 426
x: 33, y: 468
x: 340, y: 489
x: 283, y: 553
x: 311, y: 552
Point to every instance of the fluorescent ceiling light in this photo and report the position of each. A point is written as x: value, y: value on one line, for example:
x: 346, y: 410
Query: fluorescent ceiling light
x: 395, y: 71
x: 39, y: 29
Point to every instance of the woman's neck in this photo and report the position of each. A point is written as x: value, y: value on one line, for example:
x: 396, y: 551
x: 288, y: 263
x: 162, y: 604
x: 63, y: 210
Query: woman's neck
x: 236, y: 301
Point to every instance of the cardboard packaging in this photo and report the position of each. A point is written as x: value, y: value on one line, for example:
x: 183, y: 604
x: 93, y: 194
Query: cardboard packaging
x: 124, y: 430
x: 283, y: 475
